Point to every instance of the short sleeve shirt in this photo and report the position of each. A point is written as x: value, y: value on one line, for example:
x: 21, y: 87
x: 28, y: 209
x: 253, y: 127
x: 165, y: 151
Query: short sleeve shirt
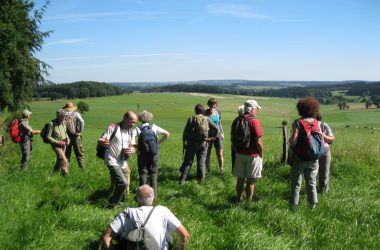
x: 257, y: 132
x: 24, y: 127
x: 124, y: 138
x: 156, y: 129
x: 161, y: 223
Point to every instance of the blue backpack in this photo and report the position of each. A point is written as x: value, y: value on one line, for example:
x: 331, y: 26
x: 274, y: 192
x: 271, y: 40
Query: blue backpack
x: 147, y: 143
x: 310, y: 144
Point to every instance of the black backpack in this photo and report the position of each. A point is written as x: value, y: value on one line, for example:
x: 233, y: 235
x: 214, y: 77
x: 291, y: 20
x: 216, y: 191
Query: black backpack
x: 241, y: 133
x: 45, y: 130
x: 140, y: 238
x: 100, y: 150
x: 147, y: 143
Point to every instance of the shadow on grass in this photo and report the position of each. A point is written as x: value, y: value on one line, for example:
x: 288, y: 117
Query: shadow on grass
x: 95, y: 244
x: 99, y: 197
x: 167, y: 172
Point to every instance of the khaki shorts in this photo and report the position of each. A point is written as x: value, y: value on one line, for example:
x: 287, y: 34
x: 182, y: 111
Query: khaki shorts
x: 247, y: 166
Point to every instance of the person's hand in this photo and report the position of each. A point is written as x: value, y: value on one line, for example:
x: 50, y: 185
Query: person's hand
x: 104, y: 142
x: 67, y: 141
x: 61, y: 143
x: 222, y: 135
x: 129, y: 151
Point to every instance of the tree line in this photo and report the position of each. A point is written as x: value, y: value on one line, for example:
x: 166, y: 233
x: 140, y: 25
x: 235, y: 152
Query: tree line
x: 322, y: 93
x: 82, y: 89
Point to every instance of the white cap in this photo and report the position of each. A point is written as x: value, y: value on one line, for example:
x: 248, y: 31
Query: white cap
x: 251, y: 104
x: 26, y: 112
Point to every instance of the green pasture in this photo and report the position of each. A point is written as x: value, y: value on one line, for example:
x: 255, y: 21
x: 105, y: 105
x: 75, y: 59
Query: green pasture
x: 40, y: 210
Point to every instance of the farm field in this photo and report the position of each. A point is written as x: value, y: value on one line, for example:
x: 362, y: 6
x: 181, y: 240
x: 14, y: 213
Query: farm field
x: 39, y: 210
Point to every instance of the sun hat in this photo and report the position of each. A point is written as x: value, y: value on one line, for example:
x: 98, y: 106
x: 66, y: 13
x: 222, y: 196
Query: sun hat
x: 252, y: 104
x: 69, y: 107
x: 26, y: 112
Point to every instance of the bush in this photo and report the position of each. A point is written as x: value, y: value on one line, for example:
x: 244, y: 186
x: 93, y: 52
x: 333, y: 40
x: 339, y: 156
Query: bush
x: 83, y: 107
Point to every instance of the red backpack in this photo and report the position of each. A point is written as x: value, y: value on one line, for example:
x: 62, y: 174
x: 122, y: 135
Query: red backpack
x: 309, y: 145
x: 14, y: 131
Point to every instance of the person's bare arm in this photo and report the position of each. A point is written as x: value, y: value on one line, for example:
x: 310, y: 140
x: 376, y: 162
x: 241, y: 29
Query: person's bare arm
x: 164, y: 137
x: 293, y: 138
x: 107, y: 238
x: 184, y: 234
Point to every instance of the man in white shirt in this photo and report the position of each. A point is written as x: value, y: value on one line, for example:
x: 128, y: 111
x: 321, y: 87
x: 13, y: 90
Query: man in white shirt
x: 160, y: 225
x: 147, y: 161
x: 119, y: 149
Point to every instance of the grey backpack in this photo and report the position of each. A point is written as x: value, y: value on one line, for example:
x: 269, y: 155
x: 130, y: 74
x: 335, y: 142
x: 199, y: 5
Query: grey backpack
x: 140, y: 238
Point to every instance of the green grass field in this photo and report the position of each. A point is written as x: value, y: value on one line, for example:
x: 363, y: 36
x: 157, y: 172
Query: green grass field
x: 39, y: 210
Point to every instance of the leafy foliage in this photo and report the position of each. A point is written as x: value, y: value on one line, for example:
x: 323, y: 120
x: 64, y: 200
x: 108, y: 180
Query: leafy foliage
x: 20, y: 39
x: 83, y: 107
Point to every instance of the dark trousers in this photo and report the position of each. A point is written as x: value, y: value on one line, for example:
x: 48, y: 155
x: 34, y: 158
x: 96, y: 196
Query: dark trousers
x: 192, y: 149
x: 148, y: 165
x: 26, y: 146
x: 76, y: 143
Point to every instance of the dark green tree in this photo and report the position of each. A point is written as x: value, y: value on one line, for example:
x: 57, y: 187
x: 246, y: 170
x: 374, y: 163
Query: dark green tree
x: 20, y: 39
x: 83, y: 107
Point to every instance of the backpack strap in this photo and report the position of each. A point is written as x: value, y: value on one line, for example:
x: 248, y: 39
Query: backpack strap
x: 114, y: 131
x: 150, y: 213
x: 146, y: 220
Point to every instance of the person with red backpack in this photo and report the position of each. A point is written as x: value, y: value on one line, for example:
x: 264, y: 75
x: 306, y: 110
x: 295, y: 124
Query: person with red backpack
x: 307, y: 143
x: 247, y: 146
x: 26, y: 133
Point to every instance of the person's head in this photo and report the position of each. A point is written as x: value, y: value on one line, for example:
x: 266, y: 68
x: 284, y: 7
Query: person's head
x: 212, y: 103
x: 308, y: 107
x: 251, y: 106
x: 60, y: 113
x: 26, y: 114
x: 69, y: 107
x: 145, y: 117
x: 129, y: 119
x: 199, y: 109
x: 240, y: 110
x: 145, y: 195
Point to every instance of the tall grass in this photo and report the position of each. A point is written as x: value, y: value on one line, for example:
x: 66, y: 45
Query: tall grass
x: 40, y: 210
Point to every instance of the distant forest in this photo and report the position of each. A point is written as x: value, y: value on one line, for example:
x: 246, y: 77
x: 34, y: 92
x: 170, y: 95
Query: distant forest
x: 322, y: 93
x: 82, y: 89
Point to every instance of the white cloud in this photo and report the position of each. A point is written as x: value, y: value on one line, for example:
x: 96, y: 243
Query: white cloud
x: 68, y: 41
x: 157, y: 55
x: 235, y: 10
x: 78, y: 17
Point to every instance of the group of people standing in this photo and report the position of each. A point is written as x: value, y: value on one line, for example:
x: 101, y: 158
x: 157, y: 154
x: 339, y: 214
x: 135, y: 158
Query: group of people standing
x: 203, y: 131
x: 63, y: 133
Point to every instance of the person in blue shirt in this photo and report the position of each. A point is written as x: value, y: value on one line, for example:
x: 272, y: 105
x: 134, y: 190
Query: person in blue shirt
x: 216, y: 141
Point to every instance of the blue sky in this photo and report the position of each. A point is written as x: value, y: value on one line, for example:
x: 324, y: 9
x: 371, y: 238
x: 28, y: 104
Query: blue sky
x: 178, y: 40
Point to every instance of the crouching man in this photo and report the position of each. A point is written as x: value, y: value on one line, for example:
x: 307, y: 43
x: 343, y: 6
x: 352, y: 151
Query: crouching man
x: 160, y: 222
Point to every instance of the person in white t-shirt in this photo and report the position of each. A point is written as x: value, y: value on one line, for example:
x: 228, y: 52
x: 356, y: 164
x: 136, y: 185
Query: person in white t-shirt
x: 160, y: 225
x: 118, y: 151
x: 148, y: 162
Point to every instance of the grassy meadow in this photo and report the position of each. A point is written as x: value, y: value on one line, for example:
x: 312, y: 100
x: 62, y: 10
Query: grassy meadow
x: 40, y: 210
